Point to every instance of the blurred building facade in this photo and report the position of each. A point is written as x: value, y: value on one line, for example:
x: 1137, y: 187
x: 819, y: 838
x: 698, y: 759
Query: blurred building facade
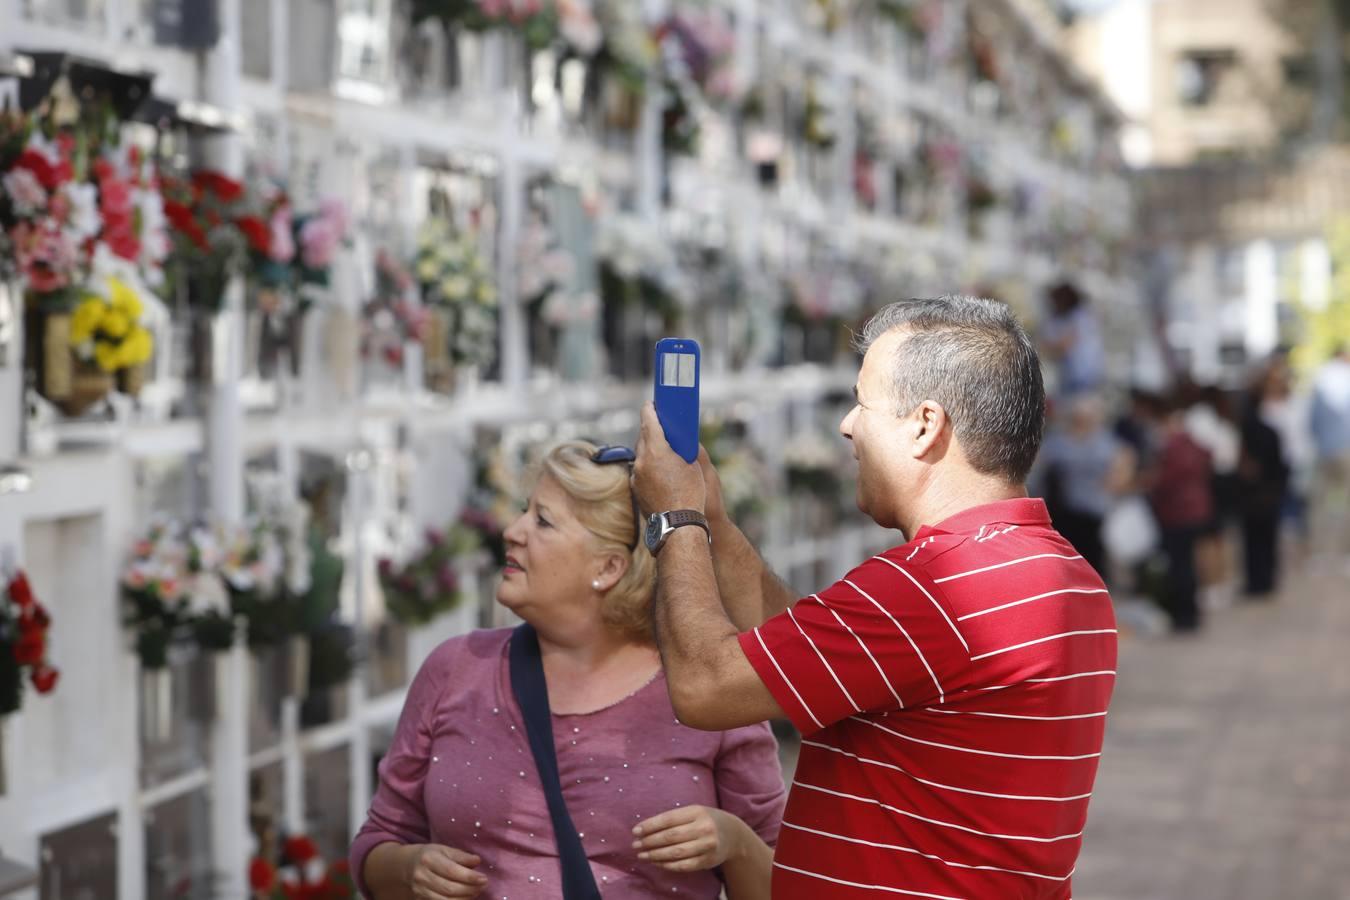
x: 1237, y: 186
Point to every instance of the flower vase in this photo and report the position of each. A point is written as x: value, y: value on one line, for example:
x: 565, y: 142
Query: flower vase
x: 435, y: 349
x: 131, y: 380
x: 71, y: 384
x: 203, y: 674
x: 297, y: 665
x: 156, y: 705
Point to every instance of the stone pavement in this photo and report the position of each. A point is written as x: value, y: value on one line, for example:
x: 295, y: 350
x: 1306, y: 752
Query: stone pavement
x: 1226, y: 773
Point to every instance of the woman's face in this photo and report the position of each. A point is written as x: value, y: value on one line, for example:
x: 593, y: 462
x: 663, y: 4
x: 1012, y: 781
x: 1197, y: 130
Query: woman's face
x: 551, y: 560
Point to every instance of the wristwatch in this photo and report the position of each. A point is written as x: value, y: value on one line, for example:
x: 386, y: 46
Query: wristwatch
x: 660, y: 525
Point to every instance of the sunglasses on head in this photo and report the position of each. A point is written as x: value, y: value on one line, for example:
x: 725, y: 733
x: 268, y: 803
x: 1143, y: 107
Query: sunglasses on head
x: 613, y: 453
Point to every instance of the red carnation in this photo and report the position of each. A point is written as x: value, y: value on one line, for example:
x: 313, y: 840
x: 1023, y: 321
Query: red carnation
x: 41, y: 167
x: 102, y: 169
x: 44, y: 678
x: 262, y: 875
x: 255, y: 229
x: 114, y: 198
x: 177, y: 214
x: 29, y: 647
x: 300, y: 849
x: 20, y: 591
x: 122, y: 241
x: 34, y: 616
x: 227, y: 189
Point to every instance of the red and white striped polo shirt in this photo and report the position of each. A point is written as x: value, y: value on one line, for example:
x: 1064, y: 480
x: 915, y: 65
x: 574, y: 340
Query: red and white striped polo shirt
x: 951, y: 695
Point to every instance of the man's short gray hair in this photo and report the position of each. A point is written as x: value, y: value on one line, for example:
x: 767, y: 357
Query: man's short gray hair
x: 971, y: 357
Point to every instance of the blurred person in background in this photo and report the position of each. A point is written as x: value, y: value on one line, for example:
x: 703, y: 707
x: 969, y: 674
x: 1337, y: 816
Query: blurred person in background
x: 1263, y: 479
x: 1082, y: 469
x: 1210, y: 424
x: 461, y: 809
x: 1071, y: 337
x: 1286, y: 410
x: 1179, y: 490
x: 1330, y: 425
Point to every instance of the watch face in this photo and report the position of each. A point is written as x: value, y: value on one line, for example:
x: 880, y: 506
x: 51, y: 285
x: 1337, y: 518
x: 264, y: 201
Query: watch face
x: 652, y: 536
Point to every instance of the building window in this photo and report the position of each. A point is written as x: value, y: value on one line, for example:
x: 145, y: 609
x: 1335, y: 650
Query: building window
x: 1201, y: 75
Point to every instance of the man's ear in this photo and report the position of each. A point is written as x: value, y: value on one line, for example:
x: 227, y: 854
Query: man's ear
x: 931, y: 427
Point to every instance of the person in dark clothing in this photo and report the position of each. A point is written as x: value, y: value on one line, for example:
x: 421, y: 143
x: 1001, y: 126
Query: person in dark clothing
x: 1263, y: 476
x: 1182, y: 499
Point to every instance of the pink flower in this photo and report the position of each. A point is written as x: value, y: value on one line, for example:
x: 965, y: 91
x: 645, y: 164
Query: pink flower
x: 282, y: 248
x: 47, y: 256
x: 319, y: 238
x: 335, y: 211
x: 25, y: 192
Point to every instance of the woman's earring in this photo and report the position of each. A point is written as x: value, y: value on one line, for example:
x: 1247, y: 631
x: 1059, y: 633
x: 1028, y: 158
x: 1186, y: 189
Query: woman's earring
x: 596, y: 584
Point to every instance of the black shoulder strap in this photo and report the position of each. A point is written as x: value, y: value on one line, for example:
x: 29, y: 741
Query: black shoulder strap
x: 527, y: 683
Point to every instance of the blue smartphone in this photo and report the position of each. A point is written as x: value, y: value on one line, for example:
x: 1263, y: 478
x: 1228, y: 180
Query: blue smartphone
x: 677, y: 385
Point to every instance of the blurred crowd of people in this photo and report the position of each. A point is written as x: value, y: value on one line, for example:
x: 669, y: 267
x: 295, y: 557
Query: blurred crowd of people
x: 1197, y: 494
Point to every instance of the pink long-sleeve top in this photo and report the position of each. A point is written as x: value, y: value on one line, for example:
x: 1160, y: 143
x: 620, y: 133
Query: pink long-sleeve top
x: 460, y: 773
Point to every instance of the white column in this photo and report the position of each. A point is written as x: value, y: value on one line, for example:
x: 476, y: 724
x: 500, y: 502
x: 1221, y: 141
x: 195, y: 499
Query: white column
x: 229, y: 740
x: 649, y: 153
x: 1204, y: 328
x: 1315, y: 266
x: 514, y: 345
x: 1261, y: 325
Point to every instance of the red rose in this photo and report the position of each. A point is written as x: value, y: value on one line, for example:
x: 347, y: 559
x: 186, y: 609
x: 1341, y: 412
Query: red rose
x: 29, y: 647
x: 300, y: 849
x: 256, y: 231
x: 44, y: 678
x: 102, y: 169
x: 262, y: 876
x: 20, y: 591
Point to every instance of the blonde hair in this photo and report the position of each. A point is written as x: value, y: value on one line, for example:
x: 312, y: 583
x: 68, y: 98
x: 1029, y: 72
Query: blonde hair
x: 603, y: 503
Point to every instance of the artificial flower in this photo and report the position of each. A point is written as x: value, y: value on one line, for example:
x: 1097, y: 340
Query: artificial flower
x: 44, y: 678
x: 26, y: 193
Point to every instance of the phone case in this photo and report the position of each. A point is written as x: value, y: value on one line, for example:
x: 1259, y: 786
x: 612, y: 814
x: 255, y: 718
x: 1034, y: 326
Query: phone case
x: 677, y: 381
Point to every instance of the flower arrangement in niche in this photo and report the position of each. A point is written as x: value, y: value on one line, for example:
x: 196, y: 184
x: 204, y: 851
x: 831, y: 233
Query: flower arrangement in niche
x: 172, y: 592
x: 428, y: 583
x: 209, y: 245
x: 106, y: 327
x: 457, y: 280
x: 24, y: 623
x: 395, y: 316
x: 299, y: 872
x: 187, y: 584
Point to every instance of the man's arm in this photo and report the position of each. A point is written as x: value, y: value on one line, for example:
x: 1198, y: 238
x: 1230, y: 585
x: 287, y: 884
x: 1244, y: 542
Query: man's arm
x: 750, y: 591
x: 712, y: 684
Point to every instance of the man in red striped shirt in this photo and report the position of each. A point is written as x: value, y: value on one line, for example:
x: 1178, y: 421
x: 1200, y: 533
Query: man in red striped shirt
x: 952, y: 691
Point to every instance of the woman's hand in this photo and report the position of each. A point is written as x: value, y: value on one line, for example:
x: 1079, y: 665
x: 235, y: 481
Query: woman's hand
x: 689, y: 838
x: 436, y: 872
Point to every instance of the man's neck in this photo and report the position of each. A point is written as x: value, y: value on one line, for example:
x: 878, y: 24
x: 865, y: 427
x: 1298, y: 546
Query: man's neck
x: 944, y: 499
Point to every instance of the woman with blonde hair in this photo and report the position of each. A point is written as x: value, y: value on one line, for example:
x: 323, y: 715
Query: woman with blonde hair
x: 546, y: 761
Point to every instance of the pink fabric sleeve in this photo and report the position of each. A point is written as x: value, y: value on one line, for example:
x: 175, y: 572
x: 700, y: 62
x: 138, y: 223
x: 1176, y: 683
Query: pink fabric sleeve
x: 397, y: 813
x: 750, y: 779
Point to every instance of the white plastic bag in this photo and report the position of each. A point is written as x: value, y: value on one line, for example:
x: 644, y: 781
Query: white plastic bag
x: 1129, y: 531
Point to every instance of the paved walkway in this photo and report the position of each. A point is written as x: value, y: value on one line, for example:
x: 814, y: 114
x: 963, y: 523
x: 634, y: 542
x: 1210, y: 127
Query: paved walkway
x: 1226, y: 774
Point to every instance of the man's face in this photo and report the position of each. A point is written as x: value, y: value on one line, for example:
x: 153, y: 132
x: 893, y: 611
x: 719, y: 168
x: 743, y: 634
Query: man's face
x: 878, y: 435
